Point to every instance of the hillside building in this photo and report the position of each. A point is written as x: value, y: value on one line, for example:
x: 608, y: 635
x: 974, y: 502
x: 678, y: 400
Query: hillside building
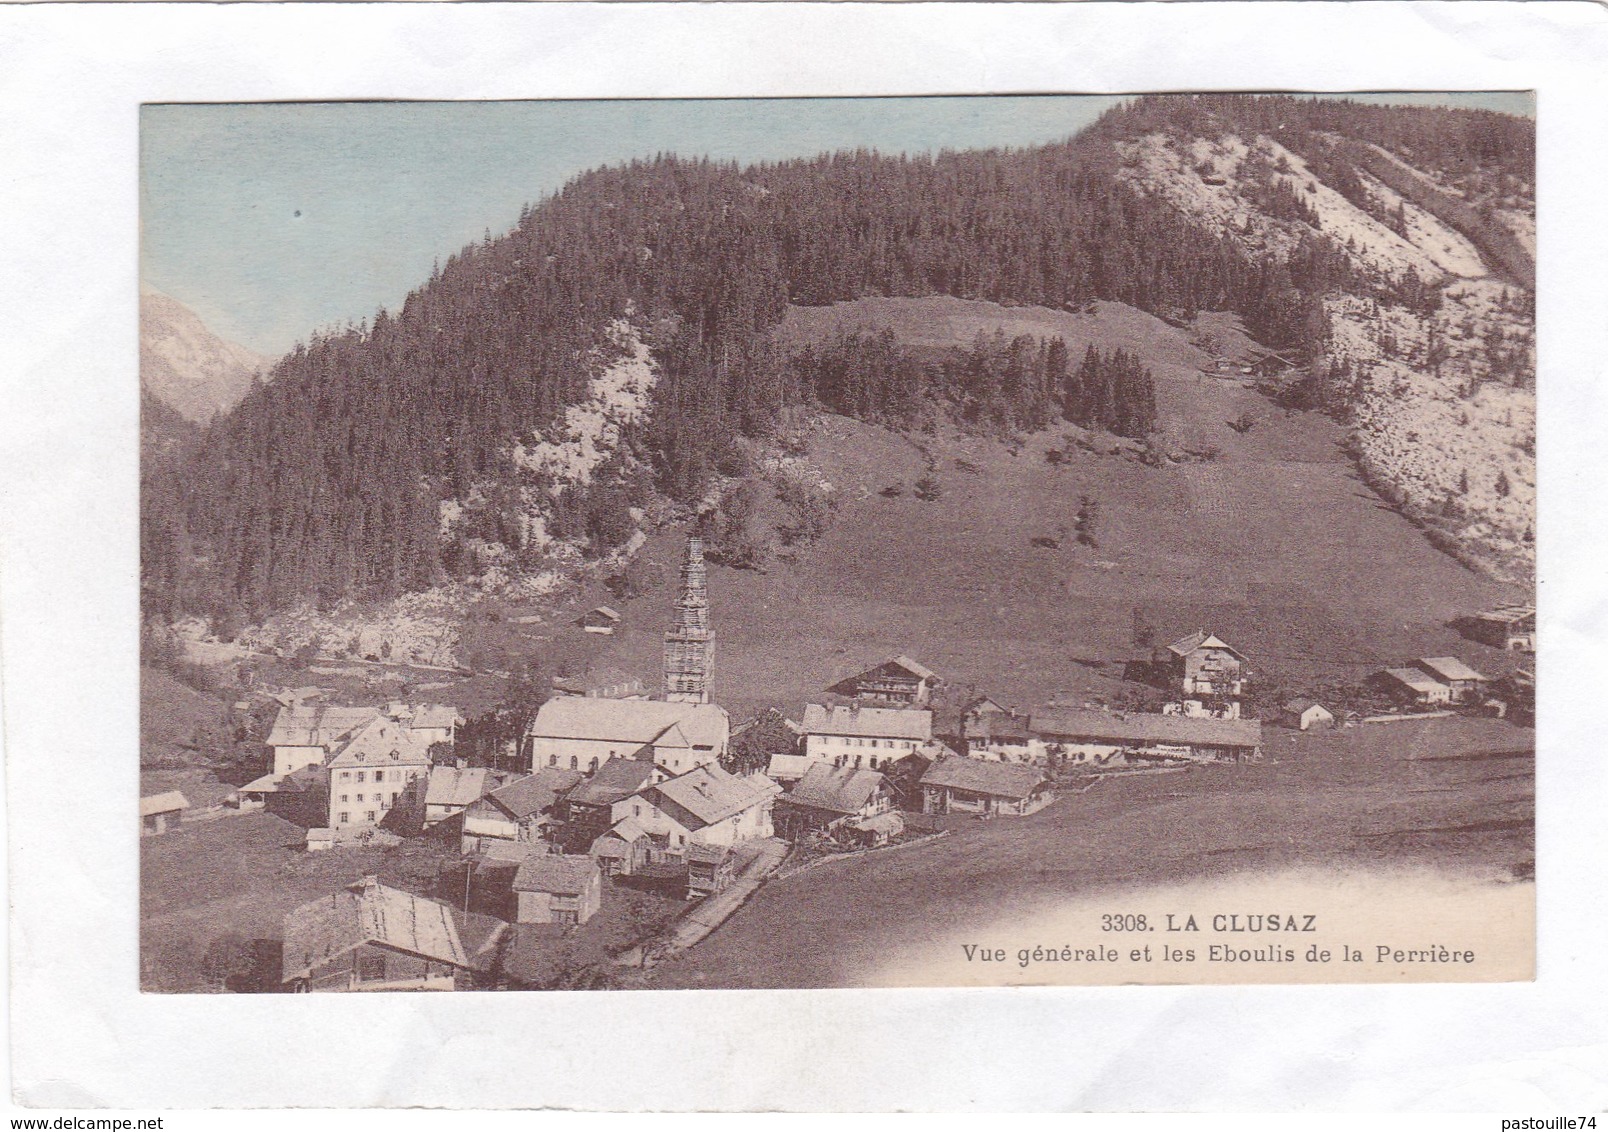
x: 1207, y: 674
x: 370, y: 938
x: 1509, y: 627
x: 1003, y: 736
x: 605, y: 683
x: 689, y: 643
x: 591, y: 807
x: 602, y: 620
x: 867, y: 737
x: 451, y: 790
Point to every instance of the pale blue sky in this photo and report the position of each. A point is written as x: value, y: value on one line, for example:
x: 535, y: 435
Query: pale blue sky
x: 271, y: 219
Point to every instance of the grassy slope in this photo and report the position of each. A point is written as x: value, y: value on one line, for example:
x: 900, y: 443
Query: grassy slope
x: 1277, y: 544
x: 1443, y: 793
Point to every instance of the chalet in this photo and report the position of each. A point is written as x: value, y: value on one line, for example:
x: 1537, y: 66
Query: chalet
x: 372, y: 772
x: 369, y: 938
x: 710, y: 869
x: 1003, y: 737
x: 864, y: 736
x: 516, y: 812
x: 601, y: 620
x: 602, y: 684
x: 1411, y: 686
x: 897, y: 680
x: 624, y: 850
x: 1465, y: 684
x: 452, y: 790
x: 827, y: 797
x: 582, y: 733
x: 1306, y: 715
x: 587, y: 810
x: 784, y: 770
x: 1509, y: 627
x: 957, y: 784
x: 706, y: 806
x: 1207, y: 674
x: 1087, y: 734
x: 162, y: 812
x: 558, y: 889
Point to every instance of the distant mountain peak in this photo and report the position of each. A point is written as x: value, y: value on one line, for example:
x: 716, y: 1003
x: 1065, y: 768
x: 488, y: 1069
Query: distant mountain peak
x: 186, y: 365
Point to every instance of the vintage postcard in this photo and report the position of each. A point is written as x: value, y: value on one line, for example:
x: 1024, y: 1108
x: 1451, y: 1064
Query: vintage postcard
x: 827, y: 543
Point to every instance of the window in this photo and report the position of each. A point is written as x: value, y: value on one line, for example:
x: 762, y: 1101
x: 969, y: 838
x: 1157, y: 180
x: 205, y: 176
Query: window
x: 344, y: 798
x: 393, y: 797
x: 369, y: 816
x: 360, y: 776
x: 346, y: 776
x: 575, y: 762
x: 344, y: 818
x: 593, y: 767
x: 360, y: 797
x: 636, y: 811
x: 552, y: 760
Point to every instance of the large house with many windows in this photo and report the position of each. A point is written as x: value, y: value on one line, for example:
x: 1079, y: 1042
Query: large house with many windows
x: 868, y: 737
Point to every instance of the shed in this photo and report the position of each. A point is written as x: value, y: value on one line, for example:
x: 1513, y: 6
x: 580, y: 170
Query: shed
x: 601, y: 619
x: 1305, y: 715
x: 874, y: 831
x: 558, y: 889
x: 161, y: 812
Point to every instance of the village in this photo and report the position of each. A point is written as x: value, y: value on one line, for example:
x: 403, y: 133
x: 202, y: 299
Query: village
x: 647, y: 810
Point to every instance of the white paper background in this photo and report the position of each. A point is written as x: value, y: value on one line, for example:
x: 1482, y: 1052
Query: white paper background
x: 71, y: 79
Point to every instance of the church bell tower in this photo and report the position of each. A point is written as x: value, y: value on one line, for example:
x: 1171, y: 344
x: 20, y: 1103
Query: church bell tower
x: 689, y: 644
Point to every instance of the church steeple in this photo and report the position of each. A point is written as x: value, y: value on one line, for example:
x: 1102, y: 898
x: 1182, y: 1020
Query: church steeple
x: 689, y: 644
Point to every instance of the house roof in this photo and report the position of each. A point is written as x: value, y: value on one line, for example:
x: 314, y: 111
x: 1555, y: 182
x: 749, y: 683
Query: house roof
x: 1302, y: 706
x: 607, y: 612
x: 1000, y: 725
x: 1001, y: 780
x: 634, y: 723
x: 372, y: 913
x: 707, y: 854
x: 1507, y: 613
x: 915, y: 668
x: 454, y: 786
x: 1416, y: 680
x: 267, y: 784
x: 164, y: 803
x: 436, y: 716
x: 627, y: 830
x: 789, y: 766
x: 1448, y: 668
x: 386, y: 742
x: 843, y: 790
x: 986, y: 704
x: 706, y: 795
x: 1145, y: 727
x: 873, y: 722
x: 1201, y: 639
x: 615, y: 779
x: 534, y: 793
x: 549, y: 872
x: 310, y: 723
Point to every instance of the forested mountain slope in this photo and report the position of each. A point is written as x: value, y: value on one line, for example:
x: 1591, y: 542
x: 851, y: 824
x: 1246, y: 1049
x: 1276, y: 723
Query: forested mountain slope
x: 620, y: 346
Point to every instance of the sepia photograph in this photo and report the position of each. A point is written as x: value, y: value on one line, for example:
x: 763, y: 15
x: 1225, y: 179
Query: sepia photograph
x: 828, y: 543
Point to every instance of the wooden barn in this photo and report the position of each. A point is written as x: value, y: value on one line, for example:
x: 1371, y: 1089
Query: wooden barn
x: 897, y: 680
x: 558, y: 889
x: 957, y: 784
